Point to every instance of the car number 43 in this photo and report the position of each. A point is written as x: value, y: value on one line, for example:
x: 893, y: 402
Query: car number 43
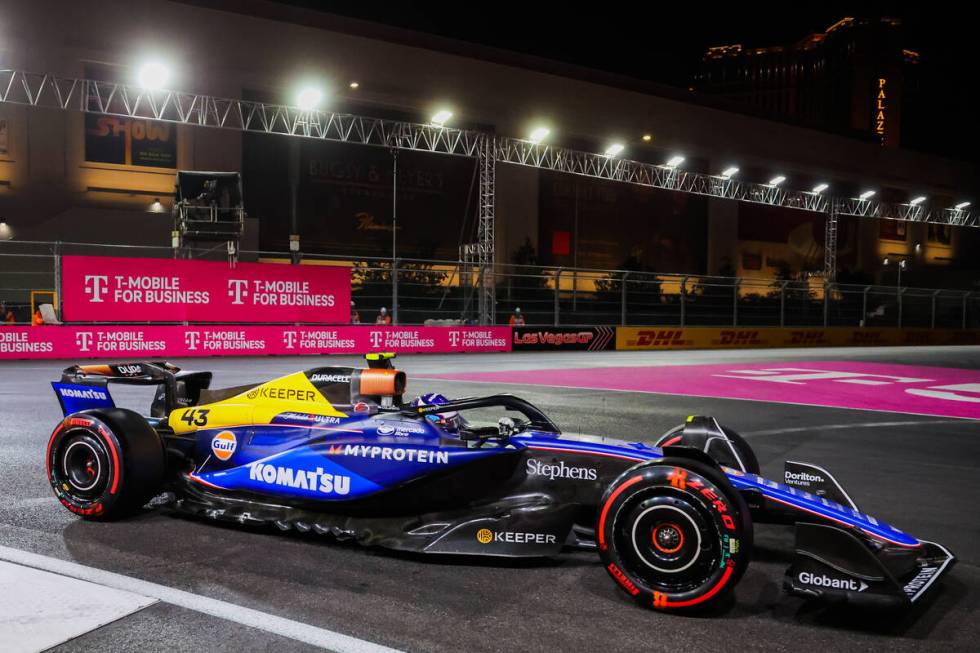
x: 195, y: 416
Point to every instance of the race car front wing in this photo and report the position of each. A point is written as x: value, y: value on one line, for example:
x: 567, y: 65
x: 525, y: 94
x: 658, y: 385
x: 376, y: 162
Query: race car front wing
x: 835, y: 565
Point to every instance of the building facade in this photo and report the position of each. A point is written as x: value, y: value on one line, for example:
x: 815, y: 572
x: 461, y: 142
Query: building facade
x: 73, y: 177
x: 853, y: 78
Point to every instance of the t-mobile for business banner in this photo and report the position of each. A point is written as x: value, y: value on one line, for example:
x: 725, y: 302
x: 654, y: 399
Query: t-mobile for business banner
x: 116, y: 289
x: 138, y: 341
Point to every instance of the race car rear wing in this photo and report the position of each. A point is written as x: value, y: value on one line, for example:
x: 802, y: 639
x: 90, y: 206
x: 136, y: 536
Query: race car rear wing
x: 84, y: 387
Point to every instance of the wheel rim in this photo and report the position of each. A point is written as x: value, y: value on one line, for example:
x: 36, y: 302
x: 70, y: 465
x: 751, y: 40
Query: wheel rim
x: 84, y: 466
x: 668, y: 538
x: 667, y: 541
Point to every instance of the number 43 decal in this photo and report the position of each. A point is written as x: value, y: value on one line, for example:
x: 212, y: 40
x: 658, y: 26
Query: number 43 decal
x: 195, y: 416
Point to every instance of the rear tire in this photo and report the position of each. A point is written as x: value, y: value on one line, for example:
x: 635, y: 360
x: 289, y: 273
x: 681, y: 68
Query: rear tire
x: 105, y: 464
x: 674, y: 534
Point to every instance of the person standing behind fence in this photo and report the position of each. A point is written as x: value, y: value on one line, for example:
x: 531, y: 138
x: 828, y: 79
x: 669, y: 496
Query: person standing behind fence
x: 355, y: 316
x: 383, y: 317
x: 517, y: 318
x: 6, y: 314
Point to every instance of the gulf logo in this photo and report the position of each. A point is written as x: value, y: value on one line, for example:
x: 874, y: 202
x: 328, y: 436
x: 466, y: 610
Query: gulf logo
x: 224, y: 444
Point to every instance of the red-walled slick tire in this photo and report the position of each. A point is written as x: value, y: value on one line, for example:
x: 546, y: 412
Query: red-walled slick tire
x: 105, y: 464
x: 674, y: 534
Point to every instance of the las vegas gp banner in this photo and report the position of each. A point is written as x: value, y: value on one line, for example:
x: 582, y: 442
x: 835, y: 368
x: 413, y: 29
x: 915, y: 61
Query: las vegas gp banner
x: 601, y: 338
x: 130, y: 342
x: 116, y: 289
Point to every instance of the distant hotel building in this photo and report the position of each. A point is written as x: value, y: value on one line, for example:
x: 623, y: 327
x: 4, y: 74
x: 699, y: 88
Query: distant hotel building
x: 855, y: 78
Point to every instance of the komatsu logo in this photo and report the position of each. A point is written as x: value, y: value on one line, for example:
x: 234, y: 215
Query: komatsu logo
x: 72, y: 393
x: 299, y: 479
x: 819, y: 580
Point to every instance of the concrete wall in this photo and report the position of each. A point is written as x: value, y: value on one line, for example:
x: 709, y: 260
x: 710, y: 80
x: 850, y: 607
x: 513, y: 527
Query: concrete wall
x: 516, y: 209
x: 722, y: 235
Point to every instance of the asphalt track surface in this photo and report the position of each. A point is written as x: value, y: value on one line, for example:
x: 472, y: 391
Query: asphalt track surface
x: 918, y: 472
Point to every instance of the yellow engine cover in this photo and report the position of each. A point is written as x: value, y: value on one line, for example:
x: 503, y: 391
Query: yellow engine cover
x: 291, y: 393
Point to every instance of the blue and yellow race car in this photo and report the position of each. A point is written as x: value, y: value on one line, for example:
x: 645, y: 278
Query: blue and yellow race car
x: 339, y: 451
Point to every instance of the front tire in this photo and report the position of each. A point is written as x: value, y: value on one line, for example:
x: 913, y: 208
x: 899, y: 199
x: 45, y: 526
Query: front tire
x: 674, y: 534
x: 105, y: 464
x: 676, y: 437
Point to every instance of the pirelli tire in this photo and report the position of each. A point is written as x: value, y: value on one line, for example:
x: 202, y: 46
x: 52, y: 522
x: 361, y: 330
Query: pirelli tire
x: 674, y: 534
x: 675, y: 437
x: 105, y: 464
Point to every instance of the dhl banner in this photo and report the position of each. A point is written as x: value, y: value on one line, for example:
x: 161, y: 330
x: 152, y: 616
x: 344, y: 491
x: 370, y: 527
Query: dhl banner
x: 657, y: 338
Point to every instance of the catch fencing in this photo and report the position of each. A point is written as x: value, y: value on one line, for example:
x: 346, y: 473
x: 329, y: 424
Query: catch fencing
x: 420, y: 291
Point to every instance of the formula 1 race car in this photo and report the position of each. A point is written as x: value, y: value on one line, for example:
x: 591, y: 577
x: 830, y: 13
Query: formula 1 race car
x: 337, y: 451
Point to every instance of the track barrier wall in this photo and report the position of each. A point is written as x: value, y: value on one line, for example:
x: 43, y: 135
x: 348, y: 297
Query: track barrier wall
x: 161, y: 341
x: 241, y: 340
x: 661, y: 338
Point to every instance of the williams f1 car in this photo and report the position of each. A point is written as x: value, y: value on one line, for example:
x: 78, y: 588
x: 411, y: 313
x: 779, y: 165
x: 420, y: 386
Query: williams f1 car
x: 338, y: 451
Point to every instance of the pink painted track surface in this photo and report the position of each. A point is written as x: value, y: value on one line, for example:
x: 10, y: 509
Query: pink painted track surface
x: 910, y: 389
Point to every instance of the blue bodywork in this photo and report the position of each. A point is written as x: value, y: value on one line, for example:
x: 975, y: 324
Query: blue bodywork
x: 341, y: 459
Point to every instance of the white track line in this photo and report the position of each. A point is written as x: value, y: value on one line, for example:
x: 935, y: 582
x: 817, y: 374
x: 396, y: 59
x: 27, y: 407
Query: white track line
x: 269, y: 623
x: 853, y: 425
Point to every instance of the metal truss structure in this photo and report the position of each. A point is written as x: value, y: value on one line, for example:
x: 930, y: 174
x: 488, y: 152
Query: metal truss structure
x: 548, y: 157
x: 830, y: 241
x: 487, y: 163
x: 119, y: 99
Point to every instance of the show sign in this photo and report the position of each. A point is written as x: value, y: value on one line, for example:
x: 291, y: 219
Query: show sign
x: 116, y: 289
x: 130, y: 141
x: 134, y: 342
x: 564, y: 338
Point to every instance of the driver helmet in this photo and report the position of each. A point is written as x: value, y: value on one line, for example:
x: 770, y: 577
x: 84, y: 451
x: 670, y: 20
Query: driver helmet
x: 451, y: 421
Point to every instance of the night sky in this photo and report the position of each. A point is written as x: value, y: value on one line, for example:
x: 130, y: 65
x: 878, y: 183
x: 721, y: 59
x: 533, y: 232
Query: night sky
x: 663, y: 43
